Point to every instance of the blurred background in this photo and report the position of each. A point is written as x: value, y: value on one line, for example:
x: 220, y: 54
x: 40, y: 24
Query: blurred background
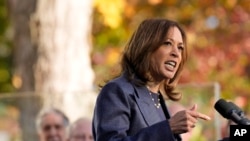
x: 56, y: 54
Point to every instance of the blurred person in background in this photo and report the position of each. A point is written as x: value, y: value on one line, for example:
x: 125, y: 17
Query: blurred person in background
x: 52, y: 125
x: 131, y: 107
x: 81, y: 130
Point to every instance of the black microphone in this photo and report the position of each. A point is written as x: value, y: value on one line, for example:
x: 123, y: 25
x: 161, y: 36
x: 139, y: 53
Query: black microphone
x: 230, y: 111
x: 238, y: 110
x: 240, y: 113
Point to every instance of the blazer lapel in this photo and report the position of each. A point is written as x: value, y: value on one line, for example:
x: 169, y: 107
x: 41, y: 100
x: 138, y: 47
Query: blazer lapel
x: 146, y: 106
x: 164, y: 107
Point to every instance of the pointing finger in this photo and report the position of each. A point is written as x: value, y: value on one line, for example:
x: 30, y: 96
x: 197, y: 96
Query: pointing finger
x: 203, y: 116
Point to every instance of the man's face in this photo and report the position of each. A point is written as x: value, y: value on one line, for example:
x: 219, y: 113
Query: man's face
x: 52, y: 128
x: 81, y: 131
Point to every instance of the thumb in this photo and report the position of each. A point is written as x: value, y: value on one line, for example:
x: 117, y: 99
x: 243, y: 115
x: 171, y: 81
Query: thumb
x: 194, y: 107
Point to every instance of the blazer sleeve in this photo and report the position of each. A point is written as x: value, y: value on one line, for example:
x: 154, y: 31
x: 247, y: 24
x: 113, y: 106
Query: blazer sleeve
x: 112, y: 119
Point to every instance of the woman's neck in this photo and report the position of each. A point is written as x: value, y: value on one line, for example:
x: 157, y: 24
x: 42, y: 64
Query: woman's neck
x: 153, y: 87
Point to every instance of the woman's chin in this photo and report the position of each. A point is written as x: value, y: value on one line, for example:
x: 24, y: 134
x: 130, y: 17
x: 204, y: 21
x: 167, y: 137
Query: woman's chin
x: 169, y: 75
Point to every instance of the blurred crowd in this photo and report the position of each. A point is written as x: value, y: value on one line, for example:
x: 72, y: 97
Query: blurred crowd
x: 54, y: 125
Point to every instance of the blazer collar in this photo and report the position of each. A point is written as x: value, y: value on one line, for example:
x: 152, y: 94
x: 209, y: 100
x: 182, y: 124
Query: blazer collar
x: 146, y: 105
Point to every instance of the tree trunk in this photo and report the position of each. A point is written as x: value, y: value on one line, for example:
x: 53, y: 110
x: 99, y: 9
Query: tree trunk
x: 24, y: 56
x: 63, y: 73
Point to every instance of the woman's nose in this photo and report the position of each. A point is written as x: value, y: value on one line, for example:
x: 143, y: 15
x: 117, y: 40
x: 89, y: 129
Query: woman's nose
x: 175, y: 52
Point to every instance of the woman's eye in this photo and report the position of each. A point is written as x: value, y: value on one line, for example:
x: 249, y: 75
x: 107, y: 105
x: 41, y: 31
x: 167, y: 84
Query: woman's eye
x: 181, y: 48
x: 167, y: 43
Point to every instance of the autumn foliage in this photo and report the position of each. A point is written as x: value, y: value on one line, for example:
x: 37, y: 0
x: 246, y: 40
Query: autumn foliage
x: 218, y: 37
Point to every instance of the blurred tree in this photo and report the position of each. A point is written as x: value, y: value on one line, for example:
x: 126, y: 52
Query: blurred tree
x: 24, y: 57
x: 63, y: 74
x: 51, y: 57
x: 5, y: 49
x: 218, y: 37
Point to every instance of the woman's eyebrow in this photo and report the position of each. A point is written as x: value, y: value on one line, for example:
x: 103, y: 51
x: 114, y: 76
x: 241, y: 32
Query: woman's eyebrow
x: 179, y: 43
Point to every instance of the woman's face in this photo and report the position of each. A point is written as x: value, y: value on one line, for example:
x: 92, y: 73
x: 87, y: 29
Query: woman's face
x: 166, y: 59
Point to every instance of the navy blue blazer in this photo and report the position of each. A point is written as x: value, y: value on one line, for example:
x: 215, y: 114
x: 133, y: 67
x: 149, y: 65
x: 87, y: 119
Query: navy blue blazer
x: 125, y: 112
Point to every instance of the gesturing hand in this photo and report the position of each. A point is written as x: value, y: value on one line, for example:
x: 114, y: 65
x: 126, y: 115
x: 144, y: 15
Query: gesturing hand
x: 183, y: 121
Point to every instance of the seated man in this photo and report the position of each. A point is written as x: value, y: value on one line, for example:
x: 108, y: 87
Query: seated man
x: 81, y: 130
x: 52, y: 125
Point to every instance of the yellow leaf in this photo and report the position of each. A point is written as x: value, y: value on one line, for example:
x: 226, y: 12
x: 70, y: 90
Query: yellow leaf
x: 111, y: 10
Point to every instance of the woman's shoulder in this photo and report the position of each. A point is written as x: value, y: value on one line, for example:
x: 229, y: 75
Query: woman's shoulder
x: 120, y: 82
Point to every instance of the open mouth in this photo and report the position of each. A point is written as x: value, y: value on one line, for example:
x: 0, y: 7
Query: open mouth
x: 170, y: 64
